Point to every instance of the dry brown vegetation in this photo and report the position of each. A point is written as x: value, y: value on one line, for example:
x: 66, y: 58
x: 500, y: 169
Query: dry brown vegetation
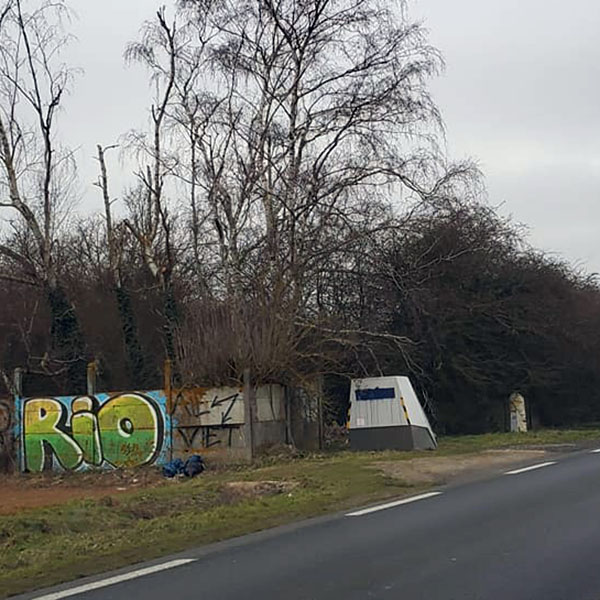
x: 290, y: 211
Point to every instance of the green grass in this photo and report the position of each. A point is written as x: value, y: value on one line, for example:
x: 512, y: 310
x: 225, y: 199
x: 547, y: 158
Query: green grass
x: 477, y: 443
x: 42, y: 547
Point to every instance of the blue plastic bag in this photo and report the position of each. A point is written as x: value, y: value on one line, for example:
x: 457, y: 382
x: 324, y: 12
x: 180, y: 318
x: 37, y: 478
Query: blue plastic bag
x: 193, y: 466
x: 173, y: 468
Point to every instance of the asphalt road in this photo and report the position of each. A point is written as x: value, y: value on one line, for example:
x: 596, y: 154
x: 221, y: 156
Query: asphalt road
x: 531, y: 535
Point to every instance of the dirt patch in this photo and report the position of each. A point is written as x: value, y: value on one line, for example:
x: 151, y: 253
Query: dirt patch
x: 234, y: 491
x: 437, y: 470
x: 21, y: 492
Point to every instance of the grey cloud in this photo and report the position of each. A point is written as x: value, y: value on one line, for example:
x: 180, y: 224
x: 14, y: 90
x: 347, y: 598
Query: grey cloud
x: 520, y: 94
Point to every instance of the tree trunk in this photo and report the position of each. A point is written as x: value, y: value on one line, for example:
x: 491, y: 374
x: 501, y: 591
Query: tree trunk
x: 137, y: 368
x: 66, y: 338
x: 170, y: 328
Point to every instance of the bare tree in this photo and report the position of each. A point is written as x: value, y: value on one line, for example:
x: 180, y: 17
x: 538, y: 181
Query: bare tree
x: 115, y: 240
x: 150, y: 220
x: 37, y: 174
x: 293, y: 128
x: 320, y: 119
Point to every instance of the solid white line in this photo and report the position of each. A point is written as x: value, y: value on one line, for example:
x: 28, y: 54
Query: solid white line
x: 366, y: 511
x: 532, y: 468
x: 117, y: 579
x: 595, y: 451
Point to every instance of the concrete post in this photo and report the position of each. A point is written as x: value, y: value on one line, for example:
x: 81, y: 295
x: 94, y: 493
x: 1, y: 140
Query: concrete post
x: 92, y: 374
x: 16, y: 443
x: 321, y: 419
x: 168, y: 386
x: 18, y: 382
x: 518, y: 413
x: 249, y: 415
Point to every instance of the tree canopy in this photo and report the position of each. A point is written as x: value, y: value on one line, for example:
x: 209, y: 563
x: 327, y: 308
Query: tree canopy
x: 291, y: 211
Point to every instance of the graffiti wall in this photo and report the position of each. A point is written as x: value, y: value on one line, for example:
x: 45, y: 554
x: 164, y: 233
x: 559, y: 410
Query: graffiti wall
x: 81, y: 432
x: 211, y: 420
x: 129, y: 429
x: 208, y: 419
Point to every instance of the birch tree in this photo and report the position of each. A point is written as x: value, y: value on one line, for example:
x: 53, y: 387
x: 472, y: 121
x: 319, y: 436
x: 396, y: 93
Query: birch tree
x: 36, y: 172
x: 115, y: 240
x: 305, y: 123
x: 151, y: 221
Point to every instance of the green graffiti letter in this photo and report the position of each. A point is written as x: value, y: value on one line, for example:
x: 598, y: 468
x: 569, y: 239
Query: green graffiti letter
x: 84, y: 425
x: 131, y: 430
x: 42, y: 431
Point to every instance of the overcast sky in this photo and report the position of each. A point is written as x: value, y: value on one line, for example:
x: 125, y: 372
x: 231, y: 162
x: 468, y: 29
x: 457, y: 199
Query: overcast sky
x: 521, y: 94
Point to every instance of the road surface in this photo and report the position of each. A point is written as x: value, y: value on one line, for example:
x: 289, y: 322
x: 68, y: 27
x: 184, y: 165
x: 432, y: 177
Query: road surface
x: 524, y: 535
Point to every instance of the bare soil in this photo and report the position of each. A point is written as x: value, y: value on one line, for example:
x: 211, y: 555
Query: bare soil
x: 240, y: 490
x: 440, y: 469
x: 20, y: 492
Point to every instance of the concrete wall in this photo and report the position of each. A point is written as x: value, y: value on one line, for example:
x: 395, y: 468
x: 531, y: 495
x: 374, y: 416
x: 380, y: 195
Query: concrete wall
x: 130, y: 429
x: 208, y: 421
x: 211, y: 421
x: 304, y: 408
x: 79, y: 432
x: 127, y: 429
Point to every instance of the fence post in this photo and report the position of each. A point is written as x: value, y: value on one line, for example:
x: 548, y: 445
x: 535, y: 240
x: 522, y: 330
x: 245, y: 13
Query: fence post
x: 18, y: 382
x: 320, y: 414
x: 168, y: 383
x: 168, y: 386
x: 249, y: 414
x: 92, y: 374
x: 16, y: 443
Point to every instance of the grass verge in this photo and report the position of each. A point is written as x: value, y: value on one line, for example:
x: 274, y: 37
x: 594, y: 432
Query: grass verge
x: 43, y: 547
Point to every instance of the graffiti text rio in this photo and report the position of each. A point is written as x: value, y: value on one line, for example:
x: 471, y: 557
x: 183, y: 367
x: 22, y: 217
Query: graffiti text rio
x: 71, y: 433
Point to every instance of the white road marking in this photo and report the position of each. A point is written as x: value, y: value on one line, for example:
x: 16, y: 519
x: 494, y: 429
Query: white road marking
x: 532, y: 468
x: 117, y: 579
x: 366, y: 511
x: 595, y: 451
